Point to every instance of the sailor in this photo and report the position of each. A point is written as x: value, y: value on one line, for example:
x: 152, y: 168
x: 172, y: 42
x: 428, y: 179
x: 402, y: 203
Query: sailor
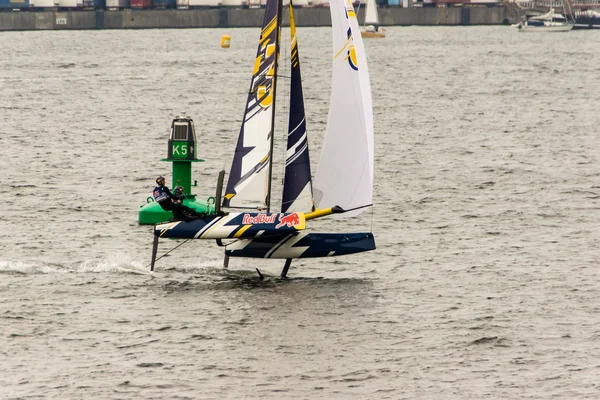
x: 178, y: 193
x: 171, y: 202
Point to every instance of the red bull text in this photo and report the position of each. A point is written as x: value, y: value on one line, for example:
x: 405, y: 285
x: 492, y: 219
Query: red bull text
x: 259, y: 219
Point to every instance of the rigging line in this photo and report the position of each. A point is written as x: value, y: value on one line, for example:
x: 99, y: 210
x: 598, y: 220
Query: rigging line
x: 343, y: 48
x: 359, y: 207
x: 212, y: 111
x: 180, y: 244
x: 372, y: 218
x: 244, y: 208
x: 308, y: 196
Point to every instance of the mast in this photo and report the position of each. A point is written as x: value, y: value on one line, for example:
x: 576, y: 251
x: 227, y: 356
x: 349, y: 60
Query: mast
x: 567, y: 9
x: 275, y: 67
x: 297, y: 186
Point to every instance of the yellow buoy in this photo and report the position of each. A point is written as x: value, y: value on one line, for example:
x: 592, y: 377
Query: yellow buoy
x: 225, y: 41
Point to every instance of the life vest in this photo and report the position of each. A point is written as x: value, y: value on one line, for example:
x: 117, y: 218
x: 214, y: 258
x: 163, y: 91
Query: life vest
x: 160, y: 194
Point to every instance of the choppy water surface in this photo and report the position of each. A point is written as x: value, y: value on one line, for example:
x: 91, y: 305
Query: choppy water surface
x: 484, y: 285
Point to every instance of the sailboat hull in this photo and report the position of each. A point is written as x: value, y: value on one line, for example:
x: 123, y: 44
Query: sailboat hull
x: 373, y: 34
x: 303, y: 245
x: 547, y: 28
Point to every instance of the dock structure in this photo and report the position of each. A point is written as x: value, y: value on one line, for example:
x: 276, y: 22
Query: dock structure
x: 239, y: 18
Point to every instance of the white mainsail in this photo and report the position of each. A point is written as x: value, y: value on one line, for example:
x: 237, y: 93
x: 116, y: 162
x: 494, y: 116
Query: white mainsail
x: 371, y: 17
x: 345, y: 174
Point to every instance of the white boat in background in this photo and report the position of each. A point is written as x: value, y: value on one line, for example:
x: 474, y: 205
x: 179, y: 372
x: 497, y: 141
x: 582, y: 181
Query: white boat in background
x: 549, y: 22
x: 589, y: 19
x: 371, y: 29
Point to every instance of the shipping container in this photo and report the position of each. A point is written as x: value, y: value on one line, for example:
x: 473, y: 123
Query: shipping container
x: 13, y: 4
x: 234, y: 3
x: 117, y: 4
x: 161, y: 4
x: 43, y: 3
x: 206, y: 3
x: 94, y: 4
x: 70, y: 4
x: 141, y: 3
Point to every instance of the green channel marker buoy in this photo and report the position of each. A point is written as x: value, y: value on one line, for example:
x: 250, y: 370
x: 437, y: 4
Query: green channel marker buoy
x: 181, y: 153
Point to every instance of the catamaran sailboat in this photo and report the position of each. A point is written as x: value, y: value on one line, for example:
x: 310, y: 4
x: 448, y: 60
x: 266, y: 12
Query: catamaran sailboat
x: 371, y: 29
x: 343, y: 183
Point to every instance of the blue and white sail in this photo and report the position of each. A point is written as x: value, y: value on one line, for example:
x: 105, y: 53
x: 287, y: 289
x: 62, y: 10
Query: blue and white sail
x: 248, y: 185
x: 297, y: 186
x: 345, y: 174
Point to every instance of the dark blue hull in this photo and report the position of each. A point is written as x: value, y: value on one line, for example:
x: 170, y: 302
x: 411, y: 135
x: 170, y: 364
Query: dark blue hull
x: 303, y: 245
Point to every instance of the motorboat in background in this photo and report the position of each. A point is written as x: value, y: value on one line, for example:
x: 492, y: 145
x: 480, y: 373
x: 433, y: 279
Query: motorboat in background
x: 549, y: 22
x: 589, y: 19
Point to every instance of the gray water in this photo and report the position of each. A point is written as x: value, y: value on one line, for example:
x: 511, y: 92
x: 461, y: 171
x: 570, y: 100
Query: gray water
x: 487, y: 219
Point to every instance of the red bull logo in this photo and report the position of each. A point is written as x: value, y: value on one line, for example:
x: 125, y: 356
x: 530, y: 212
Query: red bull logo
x: 289, y: 220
